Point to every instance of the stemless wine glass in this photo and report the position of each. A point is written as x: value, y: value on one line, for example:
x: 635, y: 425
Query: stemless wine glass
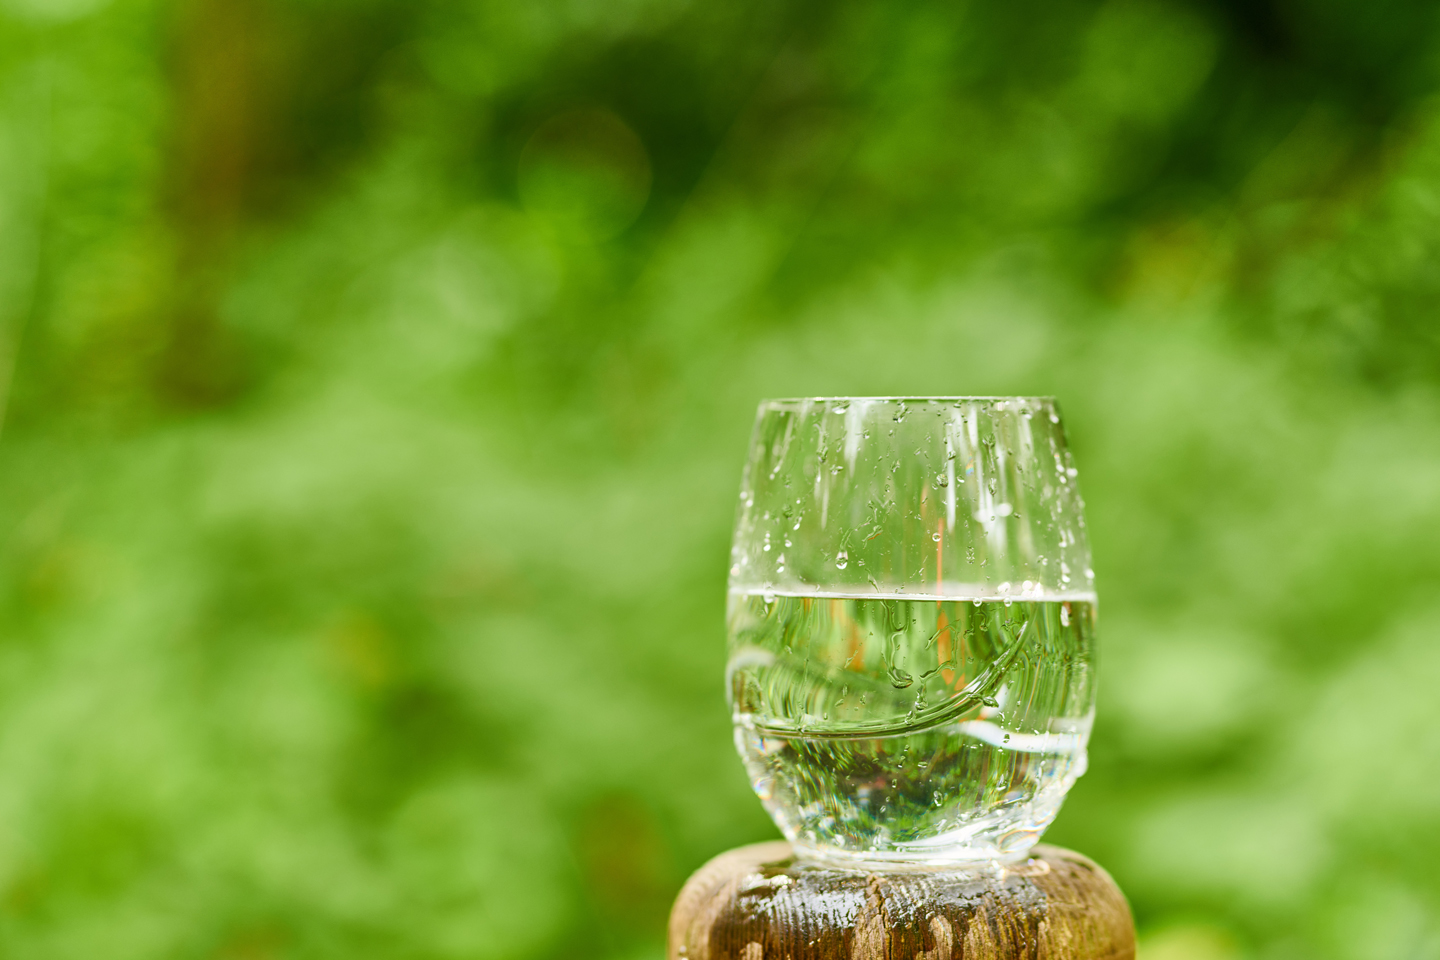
x: 911, y: 625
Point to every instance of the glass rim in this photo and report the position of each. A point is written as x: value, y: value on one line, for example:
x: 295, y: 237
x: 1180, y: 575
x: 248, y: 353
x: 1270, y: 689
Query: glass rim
x: 1037, y: 398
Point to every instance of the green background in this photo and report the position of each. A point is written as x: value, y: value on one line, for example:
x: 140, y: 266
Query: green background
x: 378, y: 375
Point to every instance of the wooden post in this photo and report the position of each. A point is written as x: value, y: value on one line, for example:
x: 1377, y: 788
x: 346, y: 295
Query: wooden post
x: 759, y: 903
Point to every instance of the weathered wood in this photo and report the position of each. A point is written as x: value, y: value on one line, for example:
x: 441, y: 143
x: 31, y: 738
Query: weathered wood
x: 759, y: 903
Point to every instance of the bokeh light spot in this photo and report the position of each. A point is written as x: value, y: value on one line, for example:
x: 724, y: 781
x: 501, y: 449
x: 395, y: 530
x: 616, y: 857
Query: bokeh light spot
x: 586, y: 173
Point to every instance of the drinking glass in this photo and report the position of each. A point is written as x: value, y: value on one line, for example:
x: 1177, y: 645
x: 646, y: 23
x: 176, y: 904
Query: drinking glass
x: 911, y: 625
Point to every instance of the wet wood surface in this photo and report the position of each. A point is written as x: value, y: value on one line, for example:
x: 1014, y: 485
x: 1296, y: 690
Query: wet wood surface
x: 759, y: 903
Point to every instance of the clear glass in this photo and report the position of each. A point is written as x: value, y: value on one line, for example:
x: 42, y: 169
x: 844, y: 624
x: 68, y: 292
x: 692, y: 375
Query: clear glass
x: 911, y: 625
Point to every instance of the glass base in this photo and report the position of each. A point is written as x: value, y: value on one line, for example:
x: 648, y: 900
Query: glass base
x: 941, y: 853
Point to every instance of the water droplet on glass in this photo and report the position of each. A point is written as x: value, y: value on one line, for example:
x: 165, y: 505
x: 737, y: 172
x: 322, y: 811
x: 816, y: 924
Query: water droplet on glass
x: 935, y: 537
x: 842, y: 559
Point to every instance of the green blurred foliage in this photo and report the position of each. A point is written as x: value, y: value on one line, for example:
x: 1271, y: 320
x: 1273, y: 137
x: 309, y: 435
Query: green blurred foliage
x: 378, y: 375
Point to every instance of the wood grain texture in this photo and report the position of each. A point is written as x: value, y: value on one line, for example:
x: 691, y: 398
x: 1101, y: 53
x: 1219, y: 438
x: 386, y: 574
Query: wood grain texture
x: 759, y: 903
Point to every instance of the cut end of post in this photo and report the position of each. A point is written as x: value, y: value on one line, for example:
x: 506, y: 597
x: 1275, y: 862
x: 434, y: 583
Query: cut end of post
x: 761, y: 903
